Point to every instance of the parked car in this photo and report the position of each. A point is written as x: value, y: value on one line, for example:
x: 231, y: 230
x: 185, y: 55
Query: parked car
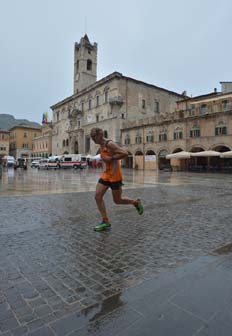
x: 48, y: 163
x: 35, y: 164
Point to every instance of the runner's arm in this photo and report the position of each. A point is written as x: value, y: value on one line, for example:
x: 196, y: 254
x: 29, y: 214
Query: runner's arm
x: 117, y: 151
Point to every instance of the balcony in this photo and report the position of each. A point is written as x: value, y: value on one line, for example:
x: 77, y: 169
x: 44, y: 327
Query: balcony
x: 117, y: 100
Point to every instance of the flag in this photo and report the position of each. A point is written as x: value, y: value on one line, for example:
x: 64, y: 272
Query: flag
x: 46, y: 117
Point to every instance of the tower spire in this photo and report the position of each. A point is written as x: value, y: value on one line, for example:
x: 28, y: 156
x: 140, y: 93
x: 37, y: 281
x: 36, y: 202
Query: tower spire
x: 85, y: 64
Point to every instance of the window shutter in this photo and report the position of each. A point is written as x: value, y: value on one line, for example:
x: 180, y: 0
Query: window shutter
x: 224, y: 130
x: 191, y: 134
x: 216, y: 131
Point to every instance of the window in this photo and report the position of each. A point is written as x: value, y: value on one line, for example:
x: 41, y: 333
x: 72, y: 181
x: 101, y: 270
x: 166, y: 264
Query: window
x: 123, y: 116
x: 163, y: 137
x: 226, y: 105
x: 67, y: 142
x: 97, y: 118
x: 150, y: 136
x: 77, y: 65
x: 156, y: 107
x: 87, y: 143
x: 106, y: 96
x: 138, y: 139
x: 194, y: 133
x: 97, y: 104
x: 127, y: 140
x: 105, y: 134
x: 203, y: 108
x: 25, y: 135
x: 220, y: 130
x: 82, y: 107
x: 79, y: 123
x: 89, y: 64
x: 63, y: 143
x: 90, y: 104
x: 178, y: 135
x: 143, y: 103
x: 192, y: 110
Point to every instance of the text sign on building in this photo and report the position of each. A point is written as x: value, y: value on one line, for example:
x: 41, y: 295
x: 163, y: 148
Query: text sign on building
x: 150, y: 157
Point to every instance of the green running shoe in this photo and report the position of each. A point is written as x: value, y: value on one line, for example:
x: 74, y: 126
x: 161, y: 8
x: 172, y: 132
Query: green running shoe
x: 102, y: 226
x: 139, y: 207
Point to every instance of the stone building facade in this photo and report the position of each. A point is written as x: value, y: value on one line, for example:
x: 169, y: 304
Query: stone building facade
x: 42, y: 145
x: 21, y: 140
x: 196, y: 124
x: 4, y: 142
x: 107, y: 103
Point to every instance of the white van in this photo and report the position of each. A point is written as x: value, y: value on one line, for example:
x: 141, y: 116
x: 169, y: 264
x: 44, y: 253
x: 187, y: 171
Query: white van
x: 8, y: 161
x: 70, y: 161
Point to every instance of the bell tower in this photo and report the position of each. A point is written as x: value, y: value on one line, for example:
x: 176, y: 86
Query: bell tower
x: 85, y: 64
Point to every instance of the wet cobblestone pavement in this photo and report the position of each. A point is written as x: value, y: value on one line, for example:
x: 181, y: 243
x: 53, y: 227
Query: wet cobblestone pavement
x: 55, y: 271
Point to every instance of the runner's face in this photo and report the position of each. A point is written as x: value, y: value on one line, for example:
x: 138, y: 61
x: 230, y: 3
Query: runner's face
x: 95, y: 137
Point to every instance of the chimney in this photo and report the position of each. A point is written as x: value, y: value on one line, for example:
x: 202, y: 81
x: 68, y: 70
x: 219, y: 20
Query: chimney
x: 226, y: 87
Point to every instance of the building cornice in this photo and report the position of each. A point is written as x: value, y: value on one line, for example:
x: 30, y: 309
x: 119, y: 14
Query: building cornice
x: 25, y: 127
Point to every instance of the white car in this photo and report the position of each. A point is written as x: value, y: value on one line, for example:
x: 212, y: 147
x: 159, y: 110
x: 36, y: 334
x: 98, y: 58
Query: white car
x: 35, y: 164
x: 48, y: 163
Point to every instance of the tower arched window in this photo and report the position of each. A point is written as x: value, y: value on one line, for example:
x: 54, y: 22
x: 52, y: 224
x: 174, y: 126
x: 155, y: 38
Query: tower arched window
x: 89, y: 64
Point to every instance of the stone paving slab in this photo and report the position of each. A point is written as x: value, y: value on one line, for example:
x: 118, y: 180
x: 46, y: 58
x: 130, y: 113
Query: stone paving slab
x: 55, y: 271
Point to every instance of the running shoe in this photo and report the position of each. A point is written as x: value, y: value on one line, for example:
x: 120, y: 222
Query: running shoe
x: 139, y: 207
x: 102, y: 226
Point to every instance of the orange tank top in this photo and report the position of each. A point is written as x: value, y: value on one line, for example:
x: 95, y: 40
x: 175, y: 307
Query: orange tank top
x: 112, y: 172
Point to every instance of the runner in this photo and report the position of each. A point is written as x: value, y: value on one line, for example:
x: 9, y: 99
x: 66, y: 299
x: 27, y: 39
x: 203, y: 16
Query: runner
x: 111, y: 154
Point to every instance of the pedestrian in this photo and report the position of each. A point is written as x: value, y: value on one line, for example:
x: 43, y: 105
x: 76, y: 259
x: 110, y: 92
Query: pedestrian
x: 111, y: 177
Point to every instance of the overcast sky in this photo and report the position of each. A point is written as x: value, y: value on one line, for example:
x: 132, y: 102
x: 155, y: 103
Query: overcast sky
x: 175, y: 44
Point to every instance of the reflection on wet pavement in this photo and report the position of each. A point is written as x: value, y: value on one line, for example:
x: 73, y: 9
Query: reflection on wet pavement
x: 33, y: 181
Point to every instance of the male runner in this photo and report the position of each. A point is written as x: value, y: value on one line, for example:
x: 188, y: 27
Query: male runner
x: 111, y: 154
